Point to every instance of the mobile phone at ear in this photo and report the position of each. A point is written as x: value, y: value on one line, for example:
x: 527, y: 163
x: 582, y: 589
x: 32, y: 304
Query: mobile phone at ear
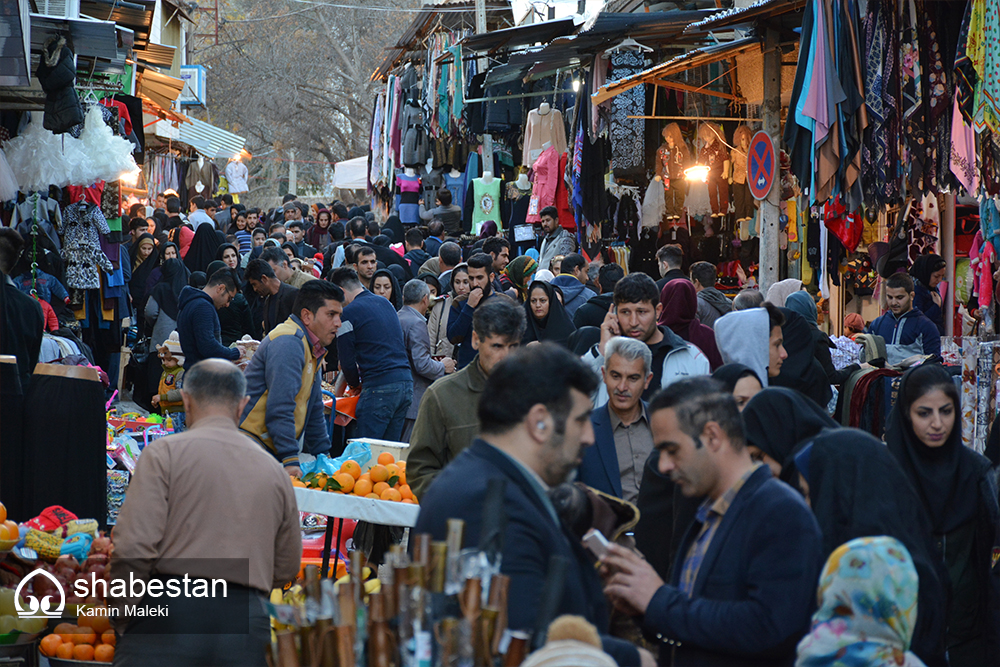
x: 596, y: 542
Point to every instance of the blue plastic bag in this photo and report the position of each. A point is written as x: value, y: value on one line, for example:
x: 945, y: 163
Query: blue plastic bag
x: 360, y: 452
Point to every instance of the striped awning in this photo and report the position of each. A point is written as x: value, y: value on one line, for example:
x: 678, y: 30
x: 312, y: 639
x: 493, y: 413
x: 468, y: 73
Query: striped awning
x: 160, y: 88
x: 209, y: 140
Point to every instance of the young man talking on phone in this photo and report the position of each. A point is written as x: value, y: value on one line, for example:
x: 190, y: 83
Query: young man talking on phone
x: 460, y: 328
x: 634, y: 313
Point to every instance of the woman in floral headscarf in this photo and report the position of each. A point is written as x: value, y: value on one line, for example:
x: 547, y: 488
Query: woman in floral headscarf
x: 868, y: 608
x: 518, y: 275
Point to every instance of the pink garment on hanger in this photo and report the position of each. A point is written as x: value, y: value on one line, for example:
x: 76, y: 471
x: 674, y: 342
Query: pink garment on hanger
x: 963, y: 151
x: 982, y: 256
x: 545, y: 182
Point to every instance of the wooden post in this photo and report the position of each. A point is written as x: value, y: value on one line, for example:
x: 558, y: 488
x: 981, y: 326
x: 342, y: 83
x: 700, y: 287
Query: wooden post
x: 769, y: 208
x: 293, y: 174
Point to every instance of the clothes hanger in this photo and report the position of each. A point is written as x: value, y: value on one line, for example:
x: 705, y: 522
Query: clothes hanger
x: 627, y: 44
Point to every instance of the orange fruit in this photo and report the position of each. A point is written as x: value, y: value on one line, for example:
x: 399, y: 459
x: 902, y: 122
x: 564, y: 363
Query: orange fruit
x: 64, y: 628
x: 379, y: 473
x: 67, y: 633
x: 104, y: 653
x: 405, y: 491
x: 109, y: 638
x: 4, y: 533
x: 298, y: 482
x: 352, y: 468
x: 408, y: 501
x: 373, y: 496
x: 65, y: 651
x: 366, y: 475
x: 385, y: 458
x: 85, y: 621
x: 83, y: 652
x: 84, y: 636
x: 100, y: 624
x: 12, y: 529
x: 346, y: 481
x: 50, y: 643
x: 362, y: 487
x: 415, y: 501
x: 401, y: 464
x: 379, y: 488
x: 3, y: 513
x: 391, y: 494
x: 402, y: 479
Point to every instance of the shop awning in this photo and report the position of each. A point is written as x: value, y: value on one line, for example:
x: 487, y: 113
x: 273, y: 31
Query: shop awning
x: 160, y: 88
x: 91, y: 39
x: 351, y: 174
x: 694, y: 58
x: 209, y: 140
x: 744, y: 15
x: 154, y: 109
x: 159, y: 55
x: 15, y: 44
x: 136, y: 16
x: 522, y: 35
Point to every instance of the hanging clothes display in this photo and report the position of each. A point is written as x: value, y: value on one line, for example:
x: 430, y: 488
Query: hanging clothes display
x: 743, y: 202
x: 415, y: 149
x: 672, y: 158
x: 202, y: 172
x: 542, y: 128
x: 482, y: 204
x: 514, y: 210
x: 544, y: 184
x: 236, y: 177
x: 409, y: 198
x: 627, y: 135
x: 82, y: 226
x: 40, y: 208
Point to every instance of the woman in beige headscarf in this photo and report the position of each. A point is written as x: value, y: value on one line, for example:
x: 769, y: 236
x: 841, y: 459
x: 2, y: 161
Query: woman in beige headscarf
x: 781, y: 290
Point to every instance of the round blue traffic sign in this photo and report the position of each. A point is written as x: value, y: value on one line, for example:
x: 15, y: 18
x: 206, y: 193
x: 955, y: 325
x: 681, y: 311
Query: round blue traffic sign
x: 761, y: 165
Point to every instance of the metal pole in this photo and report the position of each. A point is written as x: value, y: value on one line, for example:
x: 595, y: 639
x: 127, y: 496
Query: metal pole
x: 293, y: 174
x: 769, y: 207
x: 483, y: 63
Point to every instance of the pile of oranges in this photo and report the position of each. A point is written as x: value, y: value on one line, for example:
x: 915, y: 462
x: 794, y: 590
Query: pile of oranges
x: 91, y: 640
x: 8, y: 529
x: 386, y: 480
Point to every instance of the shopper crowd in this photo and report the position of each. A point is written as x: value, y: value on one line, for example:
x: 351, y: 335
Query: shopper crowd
x: 767, y: 534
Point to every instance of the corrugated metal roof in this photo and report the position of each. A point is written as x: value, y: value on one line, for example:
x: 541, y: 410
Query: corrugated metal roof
x: 91, y: 39
x: 134, y: 15
x: 160, y: 88
x: 159, y: 55
x: 519, y: 36
x: 209, y: 140
x: 743, y: 15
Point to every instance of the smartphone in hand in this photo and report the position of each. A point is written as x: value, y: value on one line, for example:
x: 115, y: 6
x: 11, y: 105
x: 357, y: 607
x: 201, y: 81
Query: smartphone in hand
x: 596, y: 542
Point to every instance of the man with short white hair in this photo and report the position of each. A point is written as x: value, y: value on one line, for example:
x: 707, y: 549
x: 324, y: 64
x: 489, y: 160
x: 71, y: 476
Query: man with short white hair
x: 622, y: 436
x: 424, y: 368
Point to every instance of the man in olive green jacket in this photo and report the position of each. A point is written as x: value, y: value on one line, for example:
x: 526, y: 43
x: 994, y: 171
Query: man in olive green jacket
x: 448, y: 419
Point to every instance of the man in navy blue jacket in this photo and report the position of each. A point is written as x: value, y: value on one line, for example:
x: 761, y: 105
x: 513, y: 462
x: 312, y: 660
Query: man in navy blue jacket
x: 622, y: 436
x: 534, y: 427
x: 373, y: 355
x: 905, y: 329
x: 744, y: 581
x: 198, y: 319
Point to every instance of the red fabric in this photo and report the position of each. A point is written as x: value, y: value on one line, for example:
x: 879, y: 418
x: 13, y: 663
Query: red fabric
x: 847, y: 227
x: 182, y: 237
x: 566, y: 217
x: 122, y: 112
x: 51, y: 321
x: 92, y: 194
x: 680, y: 308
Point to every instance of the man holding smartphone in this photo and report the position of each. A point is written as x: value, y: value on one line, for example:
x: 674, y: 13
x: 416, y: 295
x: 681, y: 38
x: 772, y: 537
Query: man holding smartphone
x: 460, y: 330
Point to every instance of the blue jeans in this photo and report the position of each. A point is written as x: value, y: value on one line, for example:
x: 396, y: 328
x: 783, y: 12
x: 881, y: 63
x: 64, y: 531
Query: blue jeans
x: 381, y: 410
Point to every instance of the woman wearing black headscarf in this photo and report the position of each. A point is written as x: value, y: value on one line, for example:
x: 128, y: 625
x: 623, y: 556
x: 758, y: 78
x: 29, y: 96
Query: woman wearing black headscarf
x: 778, y: 423
x: 927, y: 272
x: 802, y: 303
x: 740, y: 381
x: 384, y: 284
x: 801, y: 371
x: 235, y: 320
x: 161, y: 306
x: 856, y: 488
x: 547, y: 317
x: 958, y: 490
x: 229, y: 255
x: 167, y: 251
x: 398, y: 232
x: 204, y: 246
x: 144, y: 259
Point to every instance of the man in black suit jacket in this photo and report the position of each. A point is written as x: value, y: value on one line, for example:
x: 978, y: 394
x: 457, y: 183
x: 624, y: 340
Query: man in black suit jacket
x: 279, y: 297
x: 533, y: 428
x: 744, y: 581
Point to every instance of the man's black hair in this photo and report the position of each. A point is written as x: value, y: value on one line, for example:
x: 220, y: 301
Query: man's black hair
x: 513, y: 387
x: 173, y: 205
x: 571, y: 262
x: 899, y: 280
x: 276, y: 255
x: 499, y: 317
x: 494, y: 245
x: 481, y: 261
x: 608, y: 277
x: 211, y: 203
x: 451, y: 254
x: 444, y: 196
x: 362, y: 251
x: 697, y: 401
x: 550, y: 211
x: 414, y: 237
x: 223, y: 277
x: 636, y: 288
x: 11, y: 246
x: 357, y: 227
x: 671, y: 255
x: 339, y: 210
x: 287, y: 198
x: 373, y: 229
x: 227, y: 199
x: 136, y: 223
x: 294, y: 223
x: 775, y: 318
x: 274, y: 226
x: 346, y: 278
x: 314, y: 294
x: 258, y: 269
x: 704, y: 273
x: 198, y: 201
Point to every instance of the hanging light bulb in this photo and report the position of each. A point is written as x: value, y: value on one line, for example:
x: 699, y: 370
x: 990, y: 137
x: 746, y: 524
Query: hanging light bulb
x: 699, y: 172
x: 576, y: 85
